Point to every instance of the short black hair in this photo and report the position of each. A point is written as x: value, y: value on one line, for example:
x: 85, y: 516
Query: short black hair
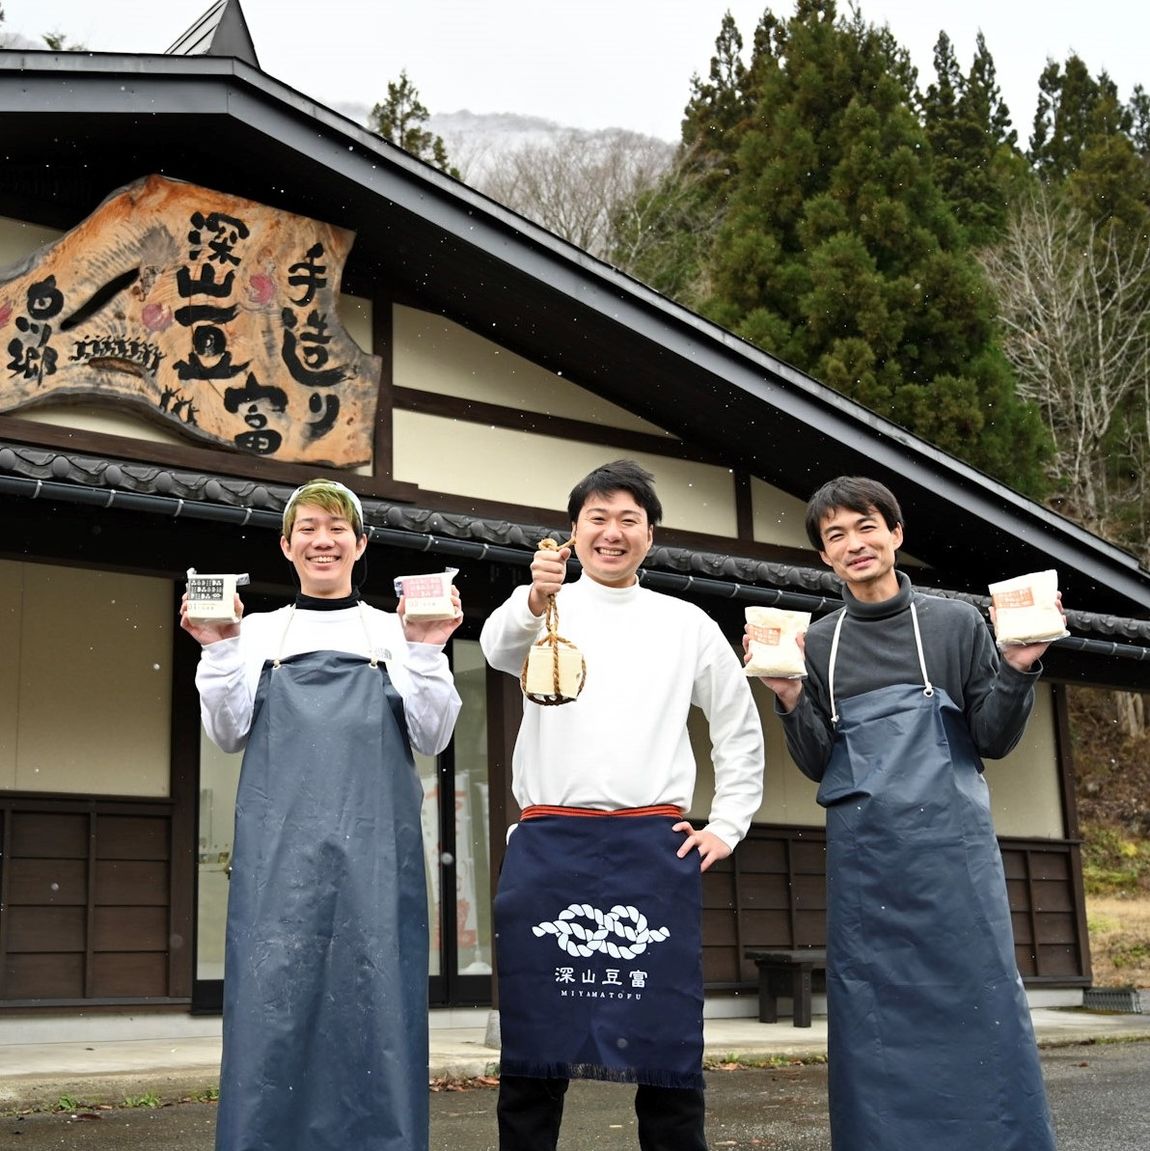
x: 619, y: 476
x: 856, y: 494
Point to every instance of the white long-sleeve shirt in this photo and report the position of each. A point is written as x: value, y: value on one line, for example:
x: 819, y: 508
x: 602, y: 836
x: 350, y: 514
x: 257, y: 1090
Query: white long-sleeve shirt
x: 229, y: 670
x: 624, y: 741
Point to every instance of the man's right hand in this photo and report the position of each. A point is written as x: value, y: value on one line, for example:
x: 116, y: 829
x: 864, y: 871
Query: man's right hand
x: 209, y: 631
x: 787, y: 691
x: 548, y: 571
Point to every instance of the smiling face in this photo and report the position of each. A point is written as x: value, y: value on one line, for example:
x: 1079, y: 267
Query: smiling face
x: 323, y: 549
x: 861, y: 549
x: 612, y: 537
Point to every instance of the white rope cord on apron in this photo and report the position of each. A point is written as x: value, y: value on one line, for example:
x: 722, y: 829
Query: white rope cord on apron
x: 372, y: 653
x: 928, y: 687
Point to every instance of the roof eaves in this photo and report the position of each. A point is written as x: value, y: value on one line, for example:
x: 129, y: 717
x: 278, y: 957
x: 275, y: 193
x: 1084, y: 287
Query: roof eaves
x: 46, y: 473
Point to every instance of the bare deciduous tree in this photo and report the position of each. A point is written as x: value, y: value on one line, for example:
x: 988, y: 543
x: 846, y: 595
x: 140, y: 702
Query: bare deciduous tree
x: 575, y: 183
x: 1074, y: 304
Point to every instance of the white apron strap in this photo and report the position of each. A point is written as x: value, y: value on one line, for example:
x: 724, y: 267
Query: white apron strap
x: 371, y: 650
x: 927, y: 688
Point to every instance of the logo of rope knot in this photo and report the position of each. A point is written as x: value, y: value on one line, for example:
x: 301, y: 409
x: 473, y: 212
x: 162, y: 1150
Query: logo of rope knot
x: 621, y: 933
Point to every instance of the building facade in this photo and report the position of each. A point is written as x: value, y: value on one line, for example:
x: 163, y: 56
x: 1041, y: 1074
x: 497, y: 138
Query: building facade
x: 216, y: 289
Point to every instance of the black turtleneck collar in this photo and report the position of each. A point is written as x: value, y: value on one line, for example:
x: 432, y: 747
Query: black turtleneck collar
x: 315, y: 603
x: 857, y: 609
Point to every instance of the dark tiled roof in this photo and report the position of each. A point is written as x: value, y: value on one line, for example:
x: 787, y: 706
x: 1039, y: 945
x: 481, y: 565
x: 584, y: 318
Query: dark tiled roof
x: 96, y: 480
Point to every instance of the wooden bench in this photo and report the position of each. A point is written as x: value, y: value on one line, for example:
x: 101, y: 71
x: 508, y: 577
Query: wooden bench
x: 786, y: 973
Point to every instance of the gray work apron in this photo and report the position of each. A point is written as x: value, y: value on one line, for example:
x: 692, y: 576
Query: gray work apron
x: 930, y: 1041
x: 325, y: 990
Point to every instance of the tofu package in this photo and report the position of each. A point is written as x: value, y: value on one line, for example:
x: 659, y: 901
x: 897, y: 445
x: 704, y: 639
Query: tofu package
x: 773, y: 646
x: 427, y: 597
x: 1026, y: 609
x: 212, y: 598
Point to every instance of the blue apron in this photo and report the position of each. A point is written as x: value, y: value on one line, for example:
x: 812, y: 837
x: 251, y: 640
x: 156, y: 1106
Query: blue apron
x: 930, y: 1043
x: 325, y: 991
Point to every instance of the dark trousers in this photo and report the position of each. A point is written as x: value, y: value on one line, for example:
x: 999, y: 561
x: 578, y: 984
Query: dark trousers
x: 531, y: 1110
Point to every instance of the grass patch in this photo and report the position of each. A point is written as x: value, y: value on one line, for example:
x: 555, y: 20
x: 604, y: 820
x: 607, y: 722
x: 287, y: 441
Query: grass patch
x: 1119, y: 928
x: 145, y: 1100
x: 1114, y: 864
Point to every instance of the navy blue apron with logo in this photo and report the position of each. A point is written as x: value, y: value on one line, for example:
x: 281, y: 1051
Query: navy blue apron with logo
x: 599, y: 950
x: 930, y: 1041
x: 325, y: 989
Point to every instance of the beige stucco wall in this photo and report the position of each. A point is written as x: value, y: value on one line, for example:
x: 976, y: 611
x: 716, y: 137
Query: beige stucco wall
x: 524, y: 468
x: 11, y: 615
x: 777, y: 518
x: 85, y: 686
x: 434, y: 354
x: 19, y: 240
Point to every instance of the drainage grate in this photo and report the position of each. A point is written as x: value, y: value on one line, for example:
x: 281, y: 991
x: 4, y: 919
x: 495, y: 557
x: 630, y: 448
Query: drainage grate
x: 1119, y: 999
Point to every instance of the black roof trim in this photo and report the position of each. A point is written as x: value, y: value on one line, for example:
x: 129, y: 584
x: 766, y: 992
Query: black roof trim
x: 39, y: 471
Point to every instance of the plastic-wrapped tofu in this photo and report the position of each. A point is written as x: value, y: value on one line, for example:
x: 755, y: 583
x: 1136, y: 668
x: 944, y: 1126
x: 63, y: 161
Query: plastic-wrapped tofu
x: 213, y: 597
x: 773, y: 648
x: 1026, y: 609
x: 427, y: 597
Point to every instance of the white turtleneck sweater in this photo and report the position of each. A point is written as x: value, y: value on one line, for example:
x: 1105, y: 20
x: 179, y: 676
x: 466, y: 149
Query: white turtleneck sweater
x: 229, y: 669
x: 624, y: 742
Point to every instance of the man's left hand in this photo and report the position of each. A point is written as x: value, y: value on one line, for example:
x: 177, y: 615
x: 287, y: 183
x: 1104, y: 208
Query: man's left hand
x: 1023, y: 656
x: 709, y: 846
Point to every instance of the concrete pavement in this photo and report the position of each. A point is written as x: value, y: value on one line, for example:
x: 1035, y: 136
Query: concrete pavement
x: 103, y: 1059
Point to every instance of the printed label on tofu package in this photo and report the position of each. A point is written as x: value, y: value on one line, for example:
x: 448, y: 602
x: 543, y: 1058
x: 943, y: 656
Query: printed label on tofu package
x: 427, y: 596
x: 213, y: 597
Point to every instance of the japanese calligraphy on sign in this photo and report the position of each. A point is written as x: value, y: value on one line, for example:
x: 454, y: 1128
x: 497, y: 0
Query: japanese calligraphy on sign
x: 215, y: 314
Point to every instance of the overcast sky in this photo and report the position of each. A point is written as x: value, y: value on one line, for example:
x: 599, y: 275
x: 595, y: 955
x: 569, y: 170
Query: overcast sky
x: 591, y: 64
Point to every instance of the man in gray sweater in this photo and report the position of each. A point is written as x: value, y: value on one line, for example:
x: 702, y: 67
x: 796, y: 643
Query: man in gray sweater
x: 930, y: 1041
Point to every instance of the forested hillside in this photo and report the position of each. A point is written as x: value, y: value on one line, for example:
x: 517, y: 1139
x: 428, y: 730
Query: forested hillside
x: 902, y: 238
x: 891, y: 235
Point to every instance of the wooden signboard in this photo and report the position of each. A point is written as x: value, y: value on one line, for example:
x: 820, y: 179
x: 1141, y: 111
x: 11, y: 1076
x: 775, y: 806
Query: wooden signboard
x: 214, y: 314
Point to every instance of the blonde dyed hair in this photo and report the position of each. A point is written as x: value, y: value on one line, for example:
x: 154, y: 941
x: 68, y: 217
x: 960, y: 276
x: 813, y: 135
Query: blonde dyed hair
x: 330, y: 495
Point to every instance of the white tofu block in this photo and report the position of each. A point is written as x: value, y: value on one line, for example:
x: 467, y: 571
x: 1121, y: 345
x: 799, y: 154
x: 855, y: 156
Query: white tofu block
x: 540, y: 679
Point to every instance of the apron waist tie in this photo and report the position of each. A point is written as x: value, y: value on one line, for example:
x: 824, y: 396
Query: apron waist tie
x: 535, y: 810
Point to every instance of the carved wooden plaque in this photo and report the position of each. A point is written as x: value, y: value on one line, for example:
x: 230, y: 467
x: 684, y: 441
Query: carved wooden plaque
x: 215, y: 314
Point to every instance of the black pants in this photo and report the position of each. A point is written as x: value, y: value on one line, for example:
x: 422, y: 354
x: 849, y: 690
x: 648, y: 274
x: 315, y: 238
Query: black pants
x: 531, y: 1110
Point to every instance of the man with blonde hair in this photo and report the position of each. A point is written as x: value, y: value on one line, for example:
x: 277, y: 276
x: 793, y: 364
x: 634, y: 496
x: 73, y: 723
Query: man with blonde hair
x: 325, y: 990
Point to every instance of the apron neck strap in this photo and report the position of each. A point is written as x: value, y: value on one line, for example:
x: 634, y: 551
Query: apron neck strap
x: 372, y: 653
x: 927, y: 686
x: 283, y: 636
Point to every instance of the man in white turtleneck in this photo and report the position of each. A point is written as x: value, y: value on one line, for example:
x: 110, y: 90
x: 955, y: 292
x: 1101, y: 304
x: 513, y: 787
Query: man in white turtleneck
x: 611, y: 988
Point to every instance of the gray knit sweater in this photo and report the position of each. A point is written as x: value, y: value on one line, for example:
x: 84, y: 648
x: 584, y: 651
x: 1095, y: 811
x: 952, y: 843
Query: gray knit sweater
x: 877, y: 649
